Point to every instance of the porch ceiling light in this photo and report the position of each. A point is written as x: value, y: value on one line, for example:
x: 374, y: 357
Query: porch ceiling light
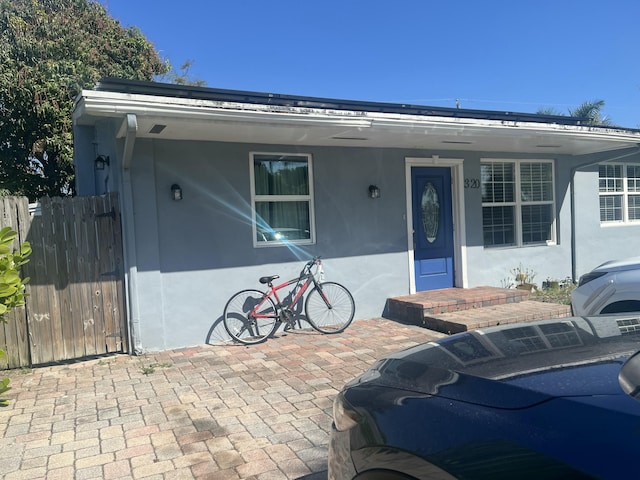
x: 374, y: 191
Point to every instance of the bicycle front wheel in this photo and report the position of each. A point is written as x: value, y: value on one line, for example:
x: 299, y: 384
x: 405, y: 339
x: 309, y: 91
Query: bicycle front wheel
x: 247, y: 324
x: 329, y: 307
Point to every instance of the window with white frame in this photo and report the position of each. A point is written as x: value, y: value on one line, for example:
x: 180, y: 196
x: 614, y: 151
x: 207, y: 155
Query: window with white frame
x: 619, y: 186
x: 518, y: 202
x: 282, y: 198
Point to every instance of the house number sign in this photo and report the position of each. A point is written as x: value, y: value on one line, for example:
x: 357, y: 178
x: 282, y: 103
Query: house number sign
x: 471, y: 183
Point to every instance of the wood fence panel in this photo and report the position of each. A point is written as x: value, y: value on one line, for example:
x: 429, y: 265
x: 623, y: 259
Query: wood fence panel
x: 41, y: 301
x: 77, y: 310
x: 63, y: 337
x: 111, y: 275
x: 20, y: 314
x: 13, y: 333
x: 76, y: 299
x: 91, y: 321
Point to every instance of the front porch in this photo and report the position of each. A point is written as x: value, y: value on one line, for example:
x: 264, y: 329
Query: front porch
x: 454, y: 310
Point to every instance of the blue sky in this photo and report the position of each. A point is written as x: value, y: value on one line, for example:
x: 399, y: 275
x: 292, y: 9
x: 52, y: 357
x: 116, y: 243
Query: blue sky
x: 508, y: 55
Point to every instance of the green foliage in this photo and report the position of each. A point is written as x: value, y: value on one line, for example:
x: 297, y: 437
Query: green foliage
x: 4, y: 387
x: 12, y: 287
x: 182, y: 77
x: 591, y: 110
x: 49, y: 51
x: 149, y: 369
x: 554, y: 292
x: 523, y: 276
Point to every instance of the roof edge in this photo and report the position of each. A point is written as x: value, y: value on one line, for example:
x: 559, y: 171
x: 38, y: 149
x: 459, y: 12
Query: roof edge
x: 119, y: 85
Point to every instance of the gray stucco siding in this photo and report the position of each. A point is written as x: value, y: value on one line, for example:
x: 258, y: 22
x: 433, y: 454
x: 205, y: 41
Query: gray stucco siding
x: 204, y: 242
x: 192, y: 255
x: 494, y: 265
x: 599, y: 242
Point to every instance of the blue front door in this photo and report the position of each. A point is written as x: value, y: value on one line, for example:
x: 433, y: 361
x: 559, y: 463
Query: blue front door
x: 432, y: 227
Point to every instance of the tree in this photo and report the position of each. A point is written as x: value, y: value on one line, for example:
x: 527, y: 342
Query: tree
x: 182, y: 77
x: 591, y: 110
x: 49, y: 51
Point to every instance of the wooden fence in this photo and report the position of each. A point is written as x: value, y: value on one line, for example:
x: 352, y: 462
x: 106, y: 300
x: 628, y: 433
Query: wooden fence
x: 75, y: 308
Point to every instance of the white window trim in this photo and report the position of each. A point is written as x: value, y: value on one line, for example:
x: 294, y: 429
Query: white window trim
x: 624, y: 194
x: 518, y: 203
x: 275, y: 198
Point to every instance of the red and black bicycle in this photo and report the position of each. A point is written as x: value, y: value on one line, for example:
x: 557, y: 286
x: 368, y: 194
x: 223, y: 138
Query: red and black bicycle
x: 252, y: 316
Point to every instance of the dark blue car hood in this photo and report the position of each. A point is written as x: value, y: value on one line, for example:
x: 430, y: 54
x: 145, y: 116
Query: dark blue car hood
x: 516, y: 366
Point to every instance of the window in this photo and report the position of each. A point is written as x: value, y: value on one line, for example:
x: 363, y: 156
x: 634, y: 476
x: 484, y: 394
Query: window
x: 281, y: 191
x: 517, y: 202
x: 619, y: 187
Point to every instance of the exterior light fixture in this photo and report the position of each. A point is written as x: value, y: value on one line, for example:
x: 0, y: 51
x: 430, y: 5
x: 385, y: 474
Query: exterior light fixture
x: 176, y: 192
x: 374, y: 192
x: 101, y: 161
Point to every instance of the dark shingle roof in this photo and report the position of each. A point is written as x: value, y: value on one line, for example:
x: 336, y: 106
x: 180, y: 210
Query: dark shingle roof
x: 215, y: 94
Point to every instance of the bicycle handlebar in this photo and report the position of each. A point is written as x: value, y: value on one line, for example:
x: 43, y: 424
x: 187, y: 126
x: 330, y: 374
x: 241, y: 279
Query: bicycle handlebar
x: 307, y: 267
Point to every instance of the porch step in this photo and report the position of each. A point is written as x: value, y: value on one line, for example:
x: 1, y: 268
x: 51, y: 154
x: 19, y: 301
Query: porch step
x: 455, y: 310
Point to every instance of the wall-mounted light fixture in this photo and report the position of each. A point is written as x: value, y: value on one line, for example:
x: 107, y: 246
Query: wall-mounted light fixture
x: 176, y: 192
x: 374, y: 192
x: 101, y: 161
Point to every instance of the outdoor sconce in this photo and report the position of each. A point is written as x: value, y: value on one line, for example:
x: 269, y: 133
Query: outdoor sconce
x: 101, y: 161
x: 374, y: 192
x: 176, y: 192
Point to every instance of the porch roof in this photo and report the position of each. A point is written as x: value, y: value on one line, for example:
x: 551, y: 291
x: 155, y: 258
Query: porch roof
x: 167, y: 111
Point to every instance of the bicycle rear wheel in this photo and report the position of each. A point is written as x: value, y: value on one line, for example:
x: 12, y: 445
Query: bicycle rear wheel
x: 243, y: 326
x: 329, y: 307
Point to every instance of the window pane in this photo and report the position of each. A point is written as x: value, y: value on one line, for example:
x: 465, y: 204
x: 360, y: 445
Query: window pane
x: 536, y: 182
x: 634, y: 207
x: 611, y: 208
x: 498, y: 226
x: 281, y: 175
x: 537, y: 221
x: 633, y: 179
x: 610, y: 178
x: 278, y: 221
x: 498, y: 182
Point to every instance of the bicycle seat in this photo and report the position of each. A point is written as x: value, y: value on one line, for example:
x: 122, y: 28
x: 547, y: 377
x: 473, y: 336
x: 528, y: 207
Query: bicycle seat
x: 268, y: 279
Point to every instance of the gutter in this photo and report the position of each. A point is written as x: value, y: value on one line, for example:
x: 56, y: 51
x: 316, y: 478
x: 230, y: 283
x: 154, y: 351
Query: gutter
x: 574, y: 261
x: 130, y: 125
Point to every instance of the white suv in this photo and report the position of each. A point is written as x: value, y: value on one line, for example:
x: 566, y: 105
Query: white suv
x: 613, y: 287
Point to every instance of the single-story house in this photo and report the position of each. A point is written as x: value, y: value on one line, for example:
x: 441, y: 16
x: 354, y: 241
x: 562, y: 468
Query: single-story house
x: 219, y: 187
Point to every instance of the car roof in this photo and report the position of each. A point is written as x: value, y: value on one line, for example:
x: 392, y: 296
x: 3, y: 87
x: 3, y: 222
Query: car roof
x: 623, y: 264
x: 516, y: 365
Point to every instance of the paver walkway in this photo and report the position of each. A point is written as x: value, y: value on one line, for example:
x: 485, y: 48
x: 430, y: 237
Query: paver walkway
x: 211, y: 412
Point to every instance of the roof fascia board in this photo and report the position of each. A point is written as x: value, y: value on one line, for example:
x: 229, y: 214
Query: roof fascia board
x: 92, y: 103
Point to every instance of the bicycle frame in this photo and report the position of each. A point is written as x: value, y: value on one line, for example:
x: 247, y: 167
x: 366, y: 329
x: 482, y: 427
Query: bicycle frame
x: 251, y: 316
x: 304, y: 280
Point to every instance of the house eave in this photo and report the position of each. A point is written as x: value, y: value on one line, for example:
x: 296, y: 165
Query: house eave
x: 232, y: 121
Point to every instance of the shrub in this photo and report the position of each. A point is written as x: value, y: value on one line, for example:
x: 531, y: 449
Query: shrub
x: 12, y: 287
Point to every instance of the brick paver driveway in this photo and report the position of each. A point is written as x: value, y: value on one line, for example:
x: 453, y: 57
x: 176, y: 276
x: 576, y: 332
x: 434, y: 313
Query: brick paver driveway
x: 216, y: 411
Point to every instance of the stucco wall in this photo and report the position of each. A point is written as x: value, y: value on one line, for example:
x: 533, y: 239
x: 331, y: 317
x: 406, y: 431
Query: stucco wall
x: 191, y: 256
x: 195, y: 253
x: 494, y: 266
x: 598, y: 243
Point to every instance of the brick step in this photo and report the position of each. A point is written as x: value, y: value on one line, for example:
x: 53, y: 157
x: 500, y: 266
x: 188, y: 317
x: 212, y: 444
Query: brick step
x: 464, y: 320
x: 412, y: 308
x: 454, y: 310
